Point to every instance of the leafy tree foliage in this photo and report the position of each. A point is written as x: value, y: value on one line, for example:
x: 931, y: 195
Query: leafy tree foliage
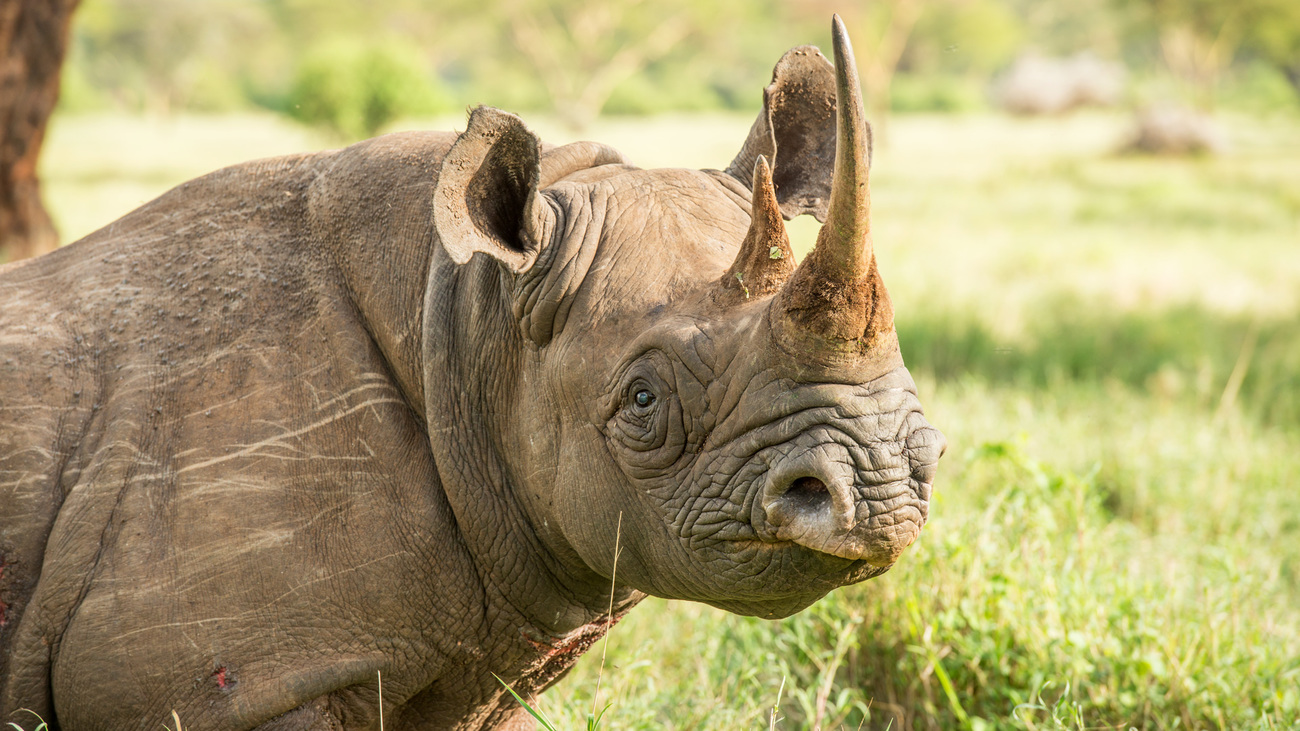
x: 152, y: 55
x: 1274, y: 35
x: 1200, y: 39
x: 578, y: 58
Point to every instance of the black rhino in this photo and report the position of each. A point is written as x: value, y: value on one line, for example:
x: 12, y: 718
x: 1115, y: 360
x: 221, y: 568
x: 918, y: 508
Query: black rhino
x: 389, y: 408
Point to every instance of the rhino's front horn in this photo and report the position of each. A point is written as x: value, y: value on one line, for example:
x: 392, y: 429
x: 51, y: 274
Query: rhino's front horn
x: 765, y: 260
x: 835, y: 300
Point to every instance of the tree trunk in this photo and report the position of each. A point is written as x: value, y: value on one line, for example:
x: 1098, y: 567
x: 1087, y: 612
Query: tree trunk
x: 33, y: 40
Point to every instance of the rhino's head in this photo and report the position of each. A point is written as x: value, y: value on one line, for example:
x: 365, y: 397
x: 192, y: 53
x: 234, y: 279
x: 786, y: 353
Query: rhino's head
x: 743, y: 427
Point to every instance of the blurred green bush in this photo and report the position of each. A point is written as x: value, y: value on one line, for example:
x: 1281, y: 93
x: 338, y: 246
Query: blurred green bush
x: 355, y: 88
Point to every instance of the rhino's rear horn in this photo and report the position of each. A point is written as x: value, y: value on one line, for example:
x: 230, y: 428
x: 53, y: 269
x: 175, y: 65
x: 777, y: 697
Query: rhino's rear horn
x: 765, y: 259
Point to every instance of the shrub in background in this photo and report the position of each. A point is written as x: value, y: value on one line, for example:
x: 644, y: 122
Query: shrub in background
x: 355, y: 88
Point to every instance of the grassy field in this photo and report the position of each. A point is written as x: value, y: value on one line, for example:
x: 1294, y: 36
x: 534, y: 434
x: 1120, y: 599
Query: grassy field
x: 1112, y: 346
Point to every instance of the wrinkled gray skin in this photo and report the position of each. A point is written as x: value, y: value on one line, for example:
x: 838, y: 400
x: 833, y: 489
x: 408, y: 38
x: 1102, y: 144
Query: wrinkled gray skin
x: 310, y: 418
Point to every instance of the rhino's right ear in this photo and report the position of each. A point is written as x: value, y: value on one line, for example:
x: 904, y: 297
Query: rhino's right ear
x: 796, y: 132
x: 487, y: 195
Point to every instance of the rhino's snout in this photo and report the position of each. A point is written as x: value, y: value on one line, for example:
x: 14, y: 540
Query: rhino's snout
x: 820, y: 497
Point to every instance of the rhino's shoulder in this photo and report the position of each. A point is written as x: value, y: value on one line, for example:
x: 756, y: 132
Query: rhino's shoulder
x: 382, y: 183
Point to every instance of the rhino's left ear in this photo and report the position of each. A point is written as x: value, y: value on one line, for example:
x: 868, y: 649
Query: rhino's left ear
x: 486, y: 199
x: 796, y: 132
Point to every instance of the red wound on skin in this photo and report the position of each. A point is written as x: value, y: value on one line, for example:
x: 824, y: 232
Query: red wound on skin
x: 220, y: 675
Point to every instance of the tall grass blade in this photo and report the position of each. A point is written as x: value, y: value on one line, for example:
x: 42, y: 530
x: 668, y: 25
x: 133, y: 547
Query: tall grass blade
x: 541, y: 717
x: 593, y: 718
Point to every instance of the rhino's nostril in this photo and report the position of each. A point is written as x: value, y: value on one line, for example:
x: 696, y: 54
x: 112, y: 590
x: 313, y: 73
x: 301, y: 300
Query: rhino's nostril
x: 801, y: 500
x: 809, y: 496
x: 808, y: 490
x: 822, y: 497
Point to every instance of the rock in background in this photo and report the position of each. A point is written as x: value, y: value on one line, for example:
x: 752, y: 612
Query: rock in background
x: 1041, y: 85
x: 1175, y: 130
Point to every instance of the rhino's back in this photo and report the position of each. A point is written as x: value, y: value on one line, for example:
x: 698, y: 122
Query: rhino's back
x: 192, y: 409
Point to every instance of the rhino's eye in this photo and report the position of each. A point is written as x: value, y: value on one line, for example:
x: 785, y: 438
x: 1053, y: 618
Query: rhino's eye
x: 643, y: 398
x: 647, y: 430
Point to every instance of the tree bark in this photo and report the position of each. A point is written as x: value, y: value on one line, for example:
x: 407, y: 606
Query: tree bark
x: 33, y: 41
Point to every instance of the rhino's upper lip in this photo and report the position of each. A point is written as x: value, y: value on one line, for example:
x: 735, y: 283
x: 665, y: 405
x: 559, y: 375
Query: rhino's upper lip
x: 845, y: 565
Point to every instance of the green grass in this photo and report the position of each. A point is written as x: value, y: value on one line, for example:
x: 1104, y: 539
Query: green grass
x: 40, y: 724
x: 1112, y: 346
x: 1185, y: 354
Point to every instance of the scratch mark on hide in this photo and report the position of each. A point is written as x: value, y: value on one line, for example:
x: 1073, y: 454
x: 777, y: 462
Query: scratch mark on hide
x: 39, y: 452
x: 252, y: 611
x: 278, y: 441
x: 249, y: 394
